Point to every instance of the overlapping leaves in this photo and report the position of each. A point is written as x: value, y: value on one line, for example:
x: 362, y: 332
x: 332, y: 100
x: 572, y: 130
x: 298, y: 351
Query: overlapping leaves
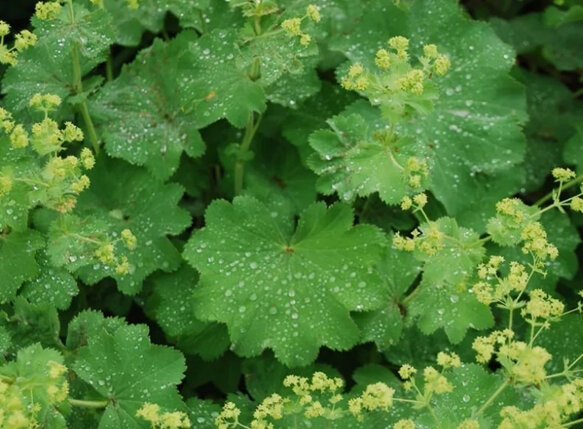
x: 289, y: 291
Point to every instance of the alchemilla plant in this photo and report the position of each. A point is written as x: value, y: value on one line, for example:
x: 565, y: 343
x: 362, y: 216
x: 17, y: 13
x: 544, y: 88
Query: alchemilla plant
x: 291, y: 214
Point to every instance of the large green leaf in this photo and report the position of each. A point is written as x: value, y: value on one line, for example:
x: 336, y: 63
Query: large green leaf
x: 474, y: 128
x: 121, y: 196
x: 443, y: 299
x: 172, y: 307
x: 354, y: 159
x: 54, y: 286
x: 140, y: 114
x: 216, y: 88
x: 17, y: 260
x: 127, y: 370
x: 289, y: 291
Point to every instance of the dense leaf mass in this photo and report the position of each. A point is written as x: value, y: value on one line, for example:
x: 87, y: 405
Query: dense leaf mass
x: 269, y: 214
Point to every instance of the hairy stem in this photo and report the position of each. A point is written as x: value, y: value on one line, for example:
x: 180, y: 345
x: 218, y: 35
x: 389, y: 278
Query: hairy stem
x: 494, y: 396
x: 88, y: 404
x: 567, y: 185
x: 78, y: 86
x: 250, y: 131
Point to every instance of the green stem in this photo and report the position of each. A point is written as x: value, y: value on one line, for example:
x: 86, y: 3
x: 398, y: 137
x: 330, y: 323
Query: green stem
x: 78, y: 86
x: 494, y: 396
x: 567, y: 185
x: 250, y: 131
x: 88, y: 404
x: 572, y: 423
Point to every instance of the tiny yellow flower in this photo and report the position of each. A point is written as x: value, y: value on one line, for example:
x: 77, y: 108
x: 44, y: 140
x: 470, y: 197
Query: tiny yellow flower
x: 4, y: 28
x: 292, y: 26
x: 404, y: 424
x: 407, y: 371
x: 406, y: 203
x: 47, y: 10
x: 72, y: 133
x: 129, y: 239
x: 19, y: 137
x: 305, y: 39
x: 25, y: 39
x: 149, y: 412
x: 441, y: 65
x: 399, y: 43
x: 430, y: 51
x: 7, y: 56
x: 313, y: 13
x: 563, y: 174
x: 87, y: 159
x: 5, y: 184
x: 382, y: 59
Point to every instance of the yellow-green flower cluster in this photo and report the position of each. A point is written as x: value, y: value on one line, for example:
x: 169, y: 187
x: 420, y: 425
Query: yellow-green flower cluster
x: 416, y: 171
x: 563, y: 174
x: 167, y: 420
x: 47, y: 10
x: 524, y: 363
x: 485, y: 347
x: 228, y: 417
x: 552, y: 412
x: 448, y: 360
x: 22, y: 41
x: 502, y: 287
x: 576, y: 204
x: 404, y: 424
x: 59, y: 180
x: 535, y: 241
x: 542, y: 307
x: 23, y: 398
x: 376, y: 396
x: 106, y: 254
x: 435, y: 382
x: 397, y: 75
x: 428, y: 241
x: 293, y: 26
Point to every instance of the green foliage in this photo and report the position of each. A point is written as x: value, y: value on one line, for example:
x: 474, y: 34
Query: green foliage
x: 293, y: 290
x: 273, y: 214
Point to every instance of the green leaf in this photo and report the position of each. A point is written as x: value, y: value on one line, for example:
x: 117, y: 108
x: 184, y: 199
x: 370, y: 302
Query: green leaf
x: 312, y: 115
x: 54, y: 285
x: 172, y: 306
x: 39, y: 70
x: 384, y: 326
x: 474, y: 128
x: 124, y: 367
x: 30, y: 380
x: 130, y: 24
x: 88, y: 324
x: 215, y: 92
x: 90, y: 30
x: 17, y: 260
x: 353, y: 159
x: 443, y: 300
x: 564, y: 340
x: 203, y: 413
x: 32, y: 323
x: 554, y: 115
x: 472, y: 387
x: 560, y: 44
x: 278, y: 175
x: 286, y: 68
x: 140, y: 115
x: 289, y: 291
x: 120, y: 197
